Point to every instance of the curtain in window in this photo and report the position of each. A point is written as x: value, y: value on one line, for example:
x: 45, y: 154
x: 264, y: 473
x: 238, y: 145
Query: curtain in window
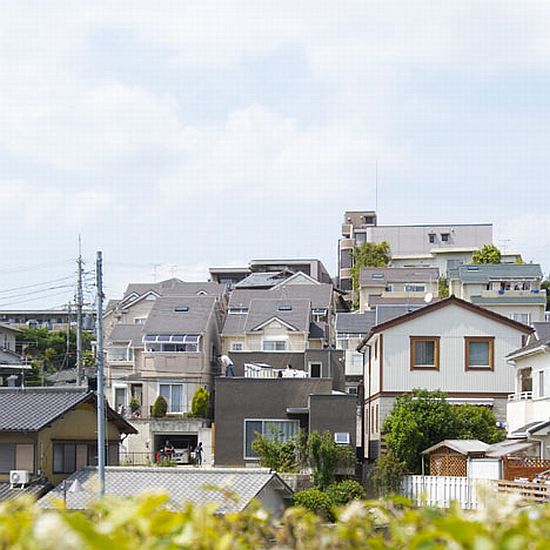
x: 424, y: 353
x: 479, y: 353
x: 176, y: 404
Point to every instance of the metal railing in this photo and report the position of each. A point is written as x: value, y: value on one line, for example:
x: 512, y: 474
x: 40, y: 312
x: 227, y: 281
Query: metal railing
x: 523, y: 396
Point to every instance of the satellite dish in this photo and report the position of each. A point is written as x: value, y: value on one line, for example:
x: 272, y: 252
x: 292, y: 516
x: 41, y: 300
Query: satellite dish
x: 429, y: 297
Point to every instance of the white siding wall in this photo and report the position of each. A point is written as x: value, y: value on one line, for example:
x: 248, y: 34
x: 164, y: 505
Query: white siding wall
x: 536, y: 310
x: 452, y: 324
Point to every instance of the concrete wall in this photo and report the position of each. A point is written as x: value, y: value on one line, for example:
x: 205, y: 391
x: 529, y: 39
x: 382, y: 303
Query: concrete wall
x: 239, y: 398
x: 333, y: 413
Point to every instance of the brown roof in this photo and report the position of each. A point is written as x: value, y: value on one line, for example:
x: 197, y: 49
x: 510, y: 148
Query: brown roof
x: 439, y: 305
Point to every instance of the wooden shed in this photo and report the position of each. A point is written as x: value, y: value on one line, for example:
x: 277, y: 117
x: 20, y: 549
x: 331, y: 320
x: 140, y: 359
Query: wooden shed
x: 450, y: 457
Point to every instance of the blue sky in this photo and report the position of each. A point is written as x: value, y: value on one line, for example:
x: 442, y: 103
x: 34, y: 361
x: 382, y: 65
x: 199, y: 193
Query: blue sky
x: 186, y: 134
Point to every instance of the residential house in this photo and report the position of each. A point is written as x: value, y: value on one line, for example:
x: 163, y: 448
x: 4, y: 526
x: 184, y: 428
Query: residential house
x: 513, y: 290
x: 450, y: 345
x: 163, y: 339
x: 52, y: 319
x: 195, y: 486
x: 528, y: 409
x: 397, y: 286
x: 51, y: 432
x: 12, y: 365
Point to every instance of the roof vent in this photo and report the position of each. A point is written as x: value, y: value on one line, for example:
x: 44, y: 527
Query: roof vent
x: 181, y: 309
x: 377, y: 275
x: 285, y: 307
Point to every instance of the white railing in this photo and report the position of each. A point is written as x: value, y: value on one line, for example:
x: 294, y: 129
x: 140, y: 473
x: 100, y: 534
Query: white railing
x: 523, y: 396
x: 261, y: 370
x: 440, y: 491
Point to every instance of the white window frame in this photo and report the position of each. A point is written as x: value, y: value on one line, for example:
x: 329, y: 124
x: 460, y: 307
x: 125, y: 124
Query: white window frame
x: 264, y: 421
x: 119, y: 386
x: 129, y: 355
x: 236, y: 346
x: 342, y: 438
x: 419, y: 287
x: 185, y: 401
x: 517, y: 317
x: 320, y: 363
x: 284, y: 339
x: 140, y: 320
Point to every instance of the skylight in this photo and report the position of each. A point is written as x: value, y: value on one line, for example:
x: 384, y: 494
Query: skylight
x: 285, y: 307
x: 181, y: 309
x: 377, y: 275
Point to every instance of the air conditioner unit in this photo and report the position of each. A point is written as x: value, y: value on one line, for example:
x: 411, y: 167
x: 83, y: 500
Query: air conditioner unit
x: 19, y: 477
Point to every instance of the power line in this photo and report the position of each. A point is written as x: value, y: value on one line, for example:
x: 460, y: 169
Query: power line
x: 4, y: 304
x: 36, y: 284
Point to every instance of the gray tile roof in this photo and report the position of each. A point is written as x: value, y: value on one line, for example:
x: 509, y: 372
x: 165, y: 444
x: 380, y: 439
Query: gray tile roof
x: 319, y: 295
x: 175, y: 287
x: 483, y: 273
x: 234, y: 324
x: 182, y: 485
x: 392, y: 301
x: 33, y: 408
x: 8, y: 357
x: 35, y: 489
x: 380, y: 276
x: 122, y: 332
x: 261, y: 311
x: 387, y: 313
x: 542, y: 330
x: 532, y: 345
x: 263, y: 280
x: 317, y: 330
x: 355, y: 323
x: 163, y: 319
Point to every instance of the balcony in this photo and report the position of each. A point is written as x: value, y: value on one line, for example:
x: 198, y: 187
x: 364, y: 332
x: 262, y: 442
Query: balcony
x: 510, y: 293
x: 261, y: 370
x: 522, y: 409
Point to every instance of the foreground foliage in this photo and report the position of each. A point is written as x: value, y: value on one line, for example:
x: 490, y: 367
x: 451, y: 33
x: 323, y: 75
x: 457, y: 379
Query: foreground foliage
x: 150, y: 523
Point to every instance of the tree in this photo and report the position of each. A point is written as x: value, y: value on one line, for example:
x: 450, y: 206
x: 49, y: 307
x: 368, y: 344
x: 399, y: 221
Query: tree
x: 199, y: 405
x: 325, y: 456
x: 443, y: 287
x: 387, y: 474
x: 368, y: 255
x: 424, y: 418
x: 489, y: 254
x: 160, y: 407
x: 545, y: 285
x: 275, y: 453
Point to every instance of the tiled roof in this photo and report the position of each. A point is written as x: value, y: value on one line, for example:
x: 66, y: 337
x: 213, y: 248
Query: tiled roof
x: 319, y: 295
x: 482, y: 273
x: 462, y: 446
x: 317, y: 330
x: 263, y: 280
x: 380, y: 276
x: 542, y: 330
x: 387, y: 313
x: 195, y: 485
x: 164, y: 319
x: 35, y: 489
x: 31, y: 409
x: 234, y: 324
x: 355, y: 323
x: 122, y: 332
x: 293, y: 312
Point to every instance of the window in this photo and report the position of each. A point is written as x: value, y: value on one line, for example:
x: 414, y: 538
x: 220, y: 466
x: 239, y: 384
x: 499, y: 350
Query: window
x: 188, y: 343
x: 431, y: 237
x: 357, y: 360
x: 7, y: 457
x: 173, y: 393
x: 352, y: 390
x: 541, y: 383
x: 70, y: 456
x: 237, y: 310
x: 236, y: 346
x: 285, y: 307
x: 389, y: 288
x: 140, y: 320
x: 425, y: 352
x: 118, y: 353
x: 524, y: 318
x: 280, y: 429
x: 369, y: 220
x: 415, y: 288
x: 315, y: 370
x: 479, y: 353
x: 445, y: 237
x: 345, y: 259
x: 181, y: 309
x: 342, y: 438
x: 274, y: 345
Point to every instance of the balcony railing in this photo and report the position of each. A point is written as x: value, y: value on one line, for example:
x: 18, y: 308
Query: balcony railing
x: 254, y: 370
x: 523, y: 396
x: 510, y: 293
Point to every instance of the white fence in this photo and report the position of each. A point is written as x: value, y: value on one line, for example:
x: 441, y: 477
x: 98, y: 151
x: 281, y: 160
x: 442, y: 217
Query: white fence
x: 440, y: 491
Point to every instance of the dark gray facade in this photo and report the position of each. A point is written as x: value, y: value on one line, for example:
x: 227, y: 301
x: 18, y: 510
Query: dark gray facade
x: 308, y: 401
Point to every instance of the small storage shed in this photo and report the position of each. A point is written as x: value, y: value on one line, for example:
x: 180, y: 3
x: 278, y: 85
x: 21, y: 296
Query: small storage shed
x: 450, y: 457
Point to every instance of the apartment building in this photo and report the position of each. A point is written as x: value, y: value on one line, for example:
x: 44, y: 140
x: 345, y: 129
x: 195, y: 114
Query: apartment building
x: 513, y: 290
x: 442, y: 246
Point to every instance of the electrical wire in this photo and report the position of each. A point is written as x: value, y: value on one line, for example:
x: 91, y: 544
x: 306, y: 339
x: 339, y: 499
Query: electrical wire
x: 61, y: 279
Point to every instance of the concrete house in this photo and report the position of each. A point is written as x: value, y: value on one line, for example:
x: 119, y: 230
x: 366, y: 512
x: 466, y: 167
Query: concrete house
x: 51, y: 432
x: 12, y: 367
x: 528, y: 408
x: 396, y: 286
x: 450, y: 345
x: 513, y: 290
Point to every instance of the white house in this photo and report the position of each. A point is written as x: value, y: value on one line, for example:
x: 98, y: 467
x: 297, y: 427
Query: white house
x: 451, y: 345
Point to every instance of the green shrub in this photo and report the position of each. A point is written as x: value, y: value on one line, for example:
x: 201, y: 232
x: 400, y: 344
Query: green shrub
x: 315, y: 501
x: 160, y: 407
x: 274, y: 453
x: 199, y: 405
x: 134, y: 405
x: 345, y: 491
x: 325, y: 456
x: 387, y: 474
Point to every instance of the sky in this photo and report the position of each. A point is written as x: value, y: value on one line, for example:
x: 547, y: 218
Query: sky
x: 178, y: 135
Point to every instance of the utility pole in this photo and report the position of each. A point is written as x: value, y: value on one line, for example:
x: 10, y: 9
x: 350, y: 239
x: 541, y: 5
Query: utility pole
x: 79, y: 316
x: 100, y: 381
x: 68, y: 346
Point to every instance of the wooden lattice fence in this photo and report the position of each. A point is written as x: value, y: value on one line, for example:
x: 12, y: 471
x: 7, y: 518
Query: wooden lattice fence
x: 448, y: 465
x: 523, y: 467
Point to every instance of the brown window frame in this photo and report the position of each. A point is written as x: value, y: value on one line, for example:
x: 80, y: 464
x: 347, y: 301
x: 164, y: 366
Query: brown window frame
x: 484, y: 339
x: 413, y: 340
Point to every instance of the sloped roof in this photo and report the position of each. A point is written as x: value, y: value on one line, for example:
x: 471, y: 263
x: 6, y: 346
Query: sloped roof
x: 462, y: 446
x: 35, y: 489
x: 387, y: 313
x: 293, y: 312
x: 503, y: 299
x: 234, y: 324
x: 532, y: 346
x: 380, y: 276
x: 32, y: 409
x: 434, y: 306
x: 164, y: 319
x: 542, y: 330
x: 320, y: 295
x: 263, y: 279
x: 483, y: 273
x: 122, y: 332
x: 317, y: 330
x: 355, y: 323
x: 508, y: 447
x: 183, y: 485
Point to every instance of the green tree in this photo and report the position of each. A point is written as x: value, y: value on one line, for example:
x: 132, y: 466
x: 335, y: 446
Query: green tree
x: 387, y: 474
x: 475, y: 422
x: 325, y: 456
x: 199, y: 405
x: 545, y: 285
x: 160, y: 407
x: 488, y: 254
x: 368, y: 255
x: 275, y: 453
x: 443, y: 287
